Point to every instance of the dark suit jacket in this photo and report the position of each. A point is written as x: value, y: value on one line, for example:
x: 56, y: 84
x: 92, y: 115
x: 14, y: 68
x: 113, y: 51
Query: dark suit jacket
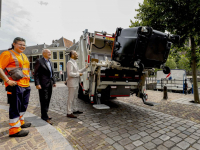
x: 42, y: 74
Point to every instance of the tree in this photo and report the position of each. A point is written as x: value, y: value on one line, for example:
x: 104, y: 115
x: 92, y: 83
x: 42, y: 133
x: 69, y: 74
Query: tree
x: 184, y: 63
x: 171, y: 63
x: 181, y: 17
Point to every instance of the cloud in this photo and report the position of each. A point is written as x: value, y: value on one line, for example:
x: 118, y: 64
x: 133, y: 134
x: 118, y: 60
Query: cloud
x: 43, y: 3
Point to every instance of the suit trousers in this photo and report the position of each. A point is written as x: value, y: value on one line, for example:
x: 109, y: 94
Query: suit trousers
x: 72, y: 99
x: 45, y: 96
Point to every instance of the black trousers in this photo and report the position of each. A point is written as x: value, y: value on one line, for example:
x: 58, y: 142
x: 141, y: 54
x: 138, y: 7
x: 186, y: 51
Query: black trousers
x: 45, y: 96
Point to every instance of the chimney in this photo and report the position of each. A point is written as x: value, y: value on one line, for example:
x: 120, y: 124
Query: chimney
x: 74, y: 41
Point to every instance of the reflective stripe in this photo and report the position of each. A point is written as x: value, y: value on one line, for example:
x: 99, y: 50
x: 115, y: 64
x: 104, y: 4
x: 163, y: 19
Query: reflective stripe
x: 9, y: 92
x: 14, y: 130
x: 17, y: 125
x: 21, y: 114
x: 15, y: 59
x: 26, y: 69
x: 21, y: 118
x: 13, y: 124
x: 22, y: 122
x: 13, y: 120
x: 26, y: 76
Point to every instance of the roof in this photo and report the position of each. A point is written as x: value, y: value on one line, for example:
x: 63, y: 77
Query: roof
x: 73, y: 47
x: 62, y: 42
x: 35, y: 50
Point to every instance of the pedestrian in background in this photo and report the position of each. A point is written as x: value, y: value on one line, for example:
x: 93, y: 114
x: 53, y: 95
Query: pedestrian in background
x: 14, y: 70
x: 44, y: 81
x: 73, y: 79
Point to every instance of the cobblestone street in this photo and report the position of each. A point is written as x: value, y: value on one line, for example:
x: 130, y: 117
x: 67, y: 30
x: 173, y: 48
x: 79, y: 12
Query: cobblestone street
x: 127, y: 125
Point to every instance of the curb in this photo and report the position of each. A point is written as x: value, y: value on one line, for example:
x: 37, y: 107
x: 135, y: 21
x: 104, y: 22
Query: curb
x: 52, y: 137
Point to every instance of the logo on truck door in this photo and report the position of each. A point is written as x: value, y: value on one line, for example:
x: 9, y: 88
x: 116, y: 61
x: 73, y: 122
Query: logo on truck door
x: 169, y: 77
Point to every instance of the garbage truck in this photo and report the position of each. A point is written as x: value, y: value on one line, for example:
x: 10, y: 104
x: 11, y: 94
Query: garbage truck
x: 119, y: 62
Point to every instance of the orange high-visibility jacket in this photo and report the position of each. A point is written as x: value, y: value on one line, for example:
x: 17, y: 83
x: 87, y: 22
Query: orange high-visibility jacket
x: 10, y: 60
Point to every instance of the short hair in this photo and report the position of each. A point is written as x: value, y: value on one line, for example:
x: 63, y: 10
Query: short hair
x: 71, y: 53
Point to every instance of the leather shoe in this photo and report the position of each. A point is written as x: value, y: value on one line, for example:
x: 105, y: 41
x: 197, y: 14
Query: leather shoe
x: 50, y: 118
x: 48, y: 121
x: 26, y: 125
x: 20, y: 133
x: 77, y: 112
x: 71, y: 116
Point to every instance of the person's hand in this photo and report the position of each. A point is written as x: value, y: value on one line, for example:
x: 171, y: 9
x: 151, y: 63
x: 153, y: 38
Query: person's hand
x: 12, y: 83
x: 81, y: 74
x: 86, y: 66
x: 54, y: 85
x: 38, y: 87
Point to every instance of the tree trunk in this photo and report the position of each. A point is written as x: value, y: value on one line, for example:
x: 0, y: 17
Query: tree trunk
x: 194, y: 70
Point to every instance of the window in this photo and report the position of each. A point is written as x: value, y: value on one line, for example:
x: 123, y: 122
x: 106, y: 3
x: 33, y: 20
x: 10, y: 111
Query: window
x: 55, y: 67
x: 54, y: 55
x: 61, y: 55
x: 61, y: 63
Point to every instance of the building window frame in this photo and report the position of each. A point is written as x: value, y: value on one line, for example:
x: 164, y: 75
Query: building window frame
x: 56, y: 56
x: 62, y: 55
x: 55, y: 69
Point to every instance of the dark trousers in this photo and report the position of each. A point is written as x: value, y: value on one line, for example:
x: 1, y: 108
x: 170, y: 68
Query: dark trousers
x: 45, y: 96
x: 18, y: 100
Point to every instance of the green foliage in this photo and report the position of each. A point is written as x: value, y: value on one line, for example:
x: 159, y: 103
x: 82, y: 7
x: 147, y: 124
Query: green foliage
x: 183, y: 63
x: 171, y: 63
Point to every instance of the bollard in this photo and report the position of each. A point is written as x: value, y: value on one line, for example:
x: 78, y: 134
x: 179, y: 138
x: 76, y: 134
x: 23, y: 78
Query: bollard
x: 165, y: 95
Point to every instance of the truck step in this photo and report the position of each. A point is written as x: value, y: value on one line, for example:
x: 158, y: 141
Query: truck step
x: 101, y: 106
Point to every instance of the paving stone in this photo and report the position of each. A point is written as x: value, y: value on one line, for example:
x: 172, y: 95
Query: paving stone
x: 125, y: 135
x: 157, y: 141
x: 176, y: 148
x: 118, y: 147
x: 149, y: 145
x: 164, y: 137
x: 168, y: 144
x: 190, y: 140
x: 125, y: 141
x: 130, y: 147
x: 171, y: 134
x: 194, y: 137
x: 182, y: 135
x: 181, y: 128
x: 137, y: 143
x: 197, y: 146
x: 186, y: 133
x: 109, y: 140
x: 191, y: 148
x: 143, y: 134
x: 117, y: 138
x: 176, y: 139
x: 161, y: 147
x: 140, y: 148
x: 106, y: 131
x: 112, y: 134
x: 183, y: 145
x: 146, y: 139
x: 155, y: 134
x: 135, y: 137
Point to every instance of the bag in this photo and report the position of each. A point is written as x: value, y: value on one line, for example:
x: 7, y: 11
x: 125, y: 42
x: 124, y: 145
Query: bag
x: 16, y: 74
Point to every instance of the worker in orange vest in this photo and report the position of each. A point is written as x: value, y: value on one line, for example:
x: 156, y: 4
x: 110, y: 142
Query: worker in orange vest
x: 18, y: 90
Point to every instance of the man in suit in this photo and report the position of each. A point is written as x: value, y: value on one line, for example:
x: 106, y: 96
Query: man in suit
x: 44, y: 82
x: 73, y: 78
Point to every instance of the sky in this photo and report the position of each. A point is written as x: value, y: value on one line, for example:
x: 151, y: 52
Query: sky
x: 41, y: 22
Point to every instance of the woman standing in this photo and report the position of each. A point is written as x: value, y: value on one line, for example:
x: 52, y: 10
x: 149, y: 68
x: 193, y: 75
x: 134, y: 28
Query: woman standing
x: 14, y: 70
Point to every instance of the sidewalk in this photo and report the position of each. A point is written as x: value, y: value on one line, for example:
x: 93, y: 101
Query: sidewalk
x: 41, y: 136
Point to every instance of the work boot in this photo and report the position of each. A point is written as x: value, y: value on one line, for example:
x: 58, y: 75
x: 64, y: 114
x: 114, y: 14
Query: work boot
x: 77, y: 112
x: 21, y: 133
x: 26, y: 125
x: 71, y: 116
